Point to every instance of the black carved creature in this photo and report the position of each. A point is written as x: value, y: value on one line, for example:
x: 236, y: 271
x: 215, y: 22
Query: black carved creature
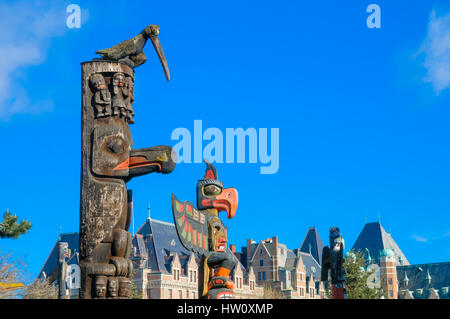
x: 131, y: 51
x: 333, y: 264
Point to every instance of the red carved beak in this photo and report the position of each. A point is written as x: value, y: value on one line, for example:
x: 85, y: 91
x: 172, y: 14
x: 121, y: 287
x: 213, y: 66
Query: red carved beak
x: 137, y: 161
x: 143, y: 161
x: 227, y: 201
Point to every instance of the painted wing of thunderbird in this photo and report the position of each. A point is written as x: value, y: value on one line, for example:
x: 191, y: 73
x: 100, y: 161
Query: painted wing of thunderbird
x: 191, y: 226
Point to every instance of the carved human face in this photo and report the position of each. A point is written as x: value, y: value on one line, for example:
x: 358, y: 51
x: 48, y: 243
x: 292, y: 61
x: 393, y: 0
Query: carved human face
x: 217, y: 235
x: 100, y: 287
x: 124, y: 288
x: 119, y: 79
x: 113, y: 287
x: 129, y: 83
x: 97, y: 81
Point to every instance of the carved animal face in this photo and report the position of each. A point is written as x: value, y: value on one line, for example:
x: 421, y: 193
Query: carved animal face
x: 111, y: 146
x: 217, y: 235
x: 212, y: 195
x: 152, y: 30
x: 336, y: 240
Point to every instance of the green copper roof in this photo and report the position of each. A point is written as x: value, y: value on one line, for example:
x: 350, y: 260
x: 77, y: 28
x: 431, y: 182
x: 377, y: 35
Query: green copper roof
x: 387, y: 252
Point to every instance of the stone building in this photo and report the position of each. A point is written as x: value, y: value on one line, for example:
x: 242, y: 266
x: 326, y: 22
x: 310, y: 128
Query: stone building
x: 424, y: 281
x: 398, y: 278
x: 294, y: 273
x: 166, y: 270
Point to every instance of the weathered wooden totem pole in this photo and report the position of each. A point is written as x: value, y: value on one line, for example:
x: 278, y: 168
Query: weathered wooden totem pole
x: 333, y: 263
x: 202, y: 232
x: 108, y: 163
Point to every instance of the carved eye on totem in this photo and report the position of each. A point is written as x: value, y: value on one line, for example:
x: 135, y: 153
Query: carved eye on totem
x: 212, y: 190
x: 115, y: 145
x: 216, y: 227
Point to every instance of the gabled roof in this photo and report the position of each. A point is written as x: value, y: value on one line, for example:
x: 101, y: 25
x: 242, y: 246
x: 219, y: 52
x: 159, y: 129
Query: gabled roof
x: 162, y: 243
x: 376, y: 239
x: 51, y: 263
x: 312, y: 244
x: 425, y: 276
x: 312, y: 267
x: 261, y: 245
x: 161, y: 240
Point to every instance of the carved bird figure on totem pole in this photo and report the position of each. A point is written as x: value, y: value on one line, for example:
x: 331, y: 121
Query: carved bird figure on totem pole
x: 202, y: 231
x: 131, y: 51
x: 333, y: 263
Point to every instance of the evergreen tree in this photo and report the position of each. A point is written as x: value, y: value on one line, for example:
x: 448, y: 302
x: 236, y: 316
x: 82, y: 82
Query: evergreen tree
x: 10, y: 228
x: 357, y: 277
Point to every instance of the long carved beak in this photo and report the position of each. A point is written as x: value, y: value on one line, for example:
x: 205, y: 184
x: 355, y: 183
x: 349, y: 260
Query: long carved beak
x: 160, y: 159
x: 162, y: 58
x: 227, y: 201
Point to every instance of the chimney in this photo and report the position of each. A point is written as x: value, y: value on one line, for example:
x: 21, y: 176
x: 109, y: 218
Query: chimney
x: 249, y: 251
x: 275, y: 256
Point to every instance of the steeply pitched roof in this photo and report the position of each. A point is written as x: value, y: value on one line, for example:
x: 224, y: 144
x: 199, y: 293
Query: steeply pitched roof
x: 52, y: 260
x: 313, y: 244
x: 425, y: 276
x: 312, y: 267
x: 375, y: 239
x: 161, y: 240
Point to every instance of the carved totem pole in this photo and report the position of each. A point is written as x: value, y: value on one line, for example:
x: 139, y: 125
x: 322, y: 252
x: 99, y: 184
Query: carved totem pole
x: 202, y: 232
x: 333, y: 262
x: 108, y: 163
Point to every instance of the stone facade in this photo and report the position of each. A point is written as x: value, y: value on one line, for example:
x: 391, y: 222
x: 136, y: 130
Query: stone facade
x: 293, y: 273
x: 165, y: 270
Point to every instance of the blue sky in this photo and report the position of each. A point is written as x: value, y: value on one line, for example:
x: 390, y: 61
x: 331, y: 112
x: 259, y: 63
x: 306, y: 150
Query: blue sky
x: 362, y: 114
